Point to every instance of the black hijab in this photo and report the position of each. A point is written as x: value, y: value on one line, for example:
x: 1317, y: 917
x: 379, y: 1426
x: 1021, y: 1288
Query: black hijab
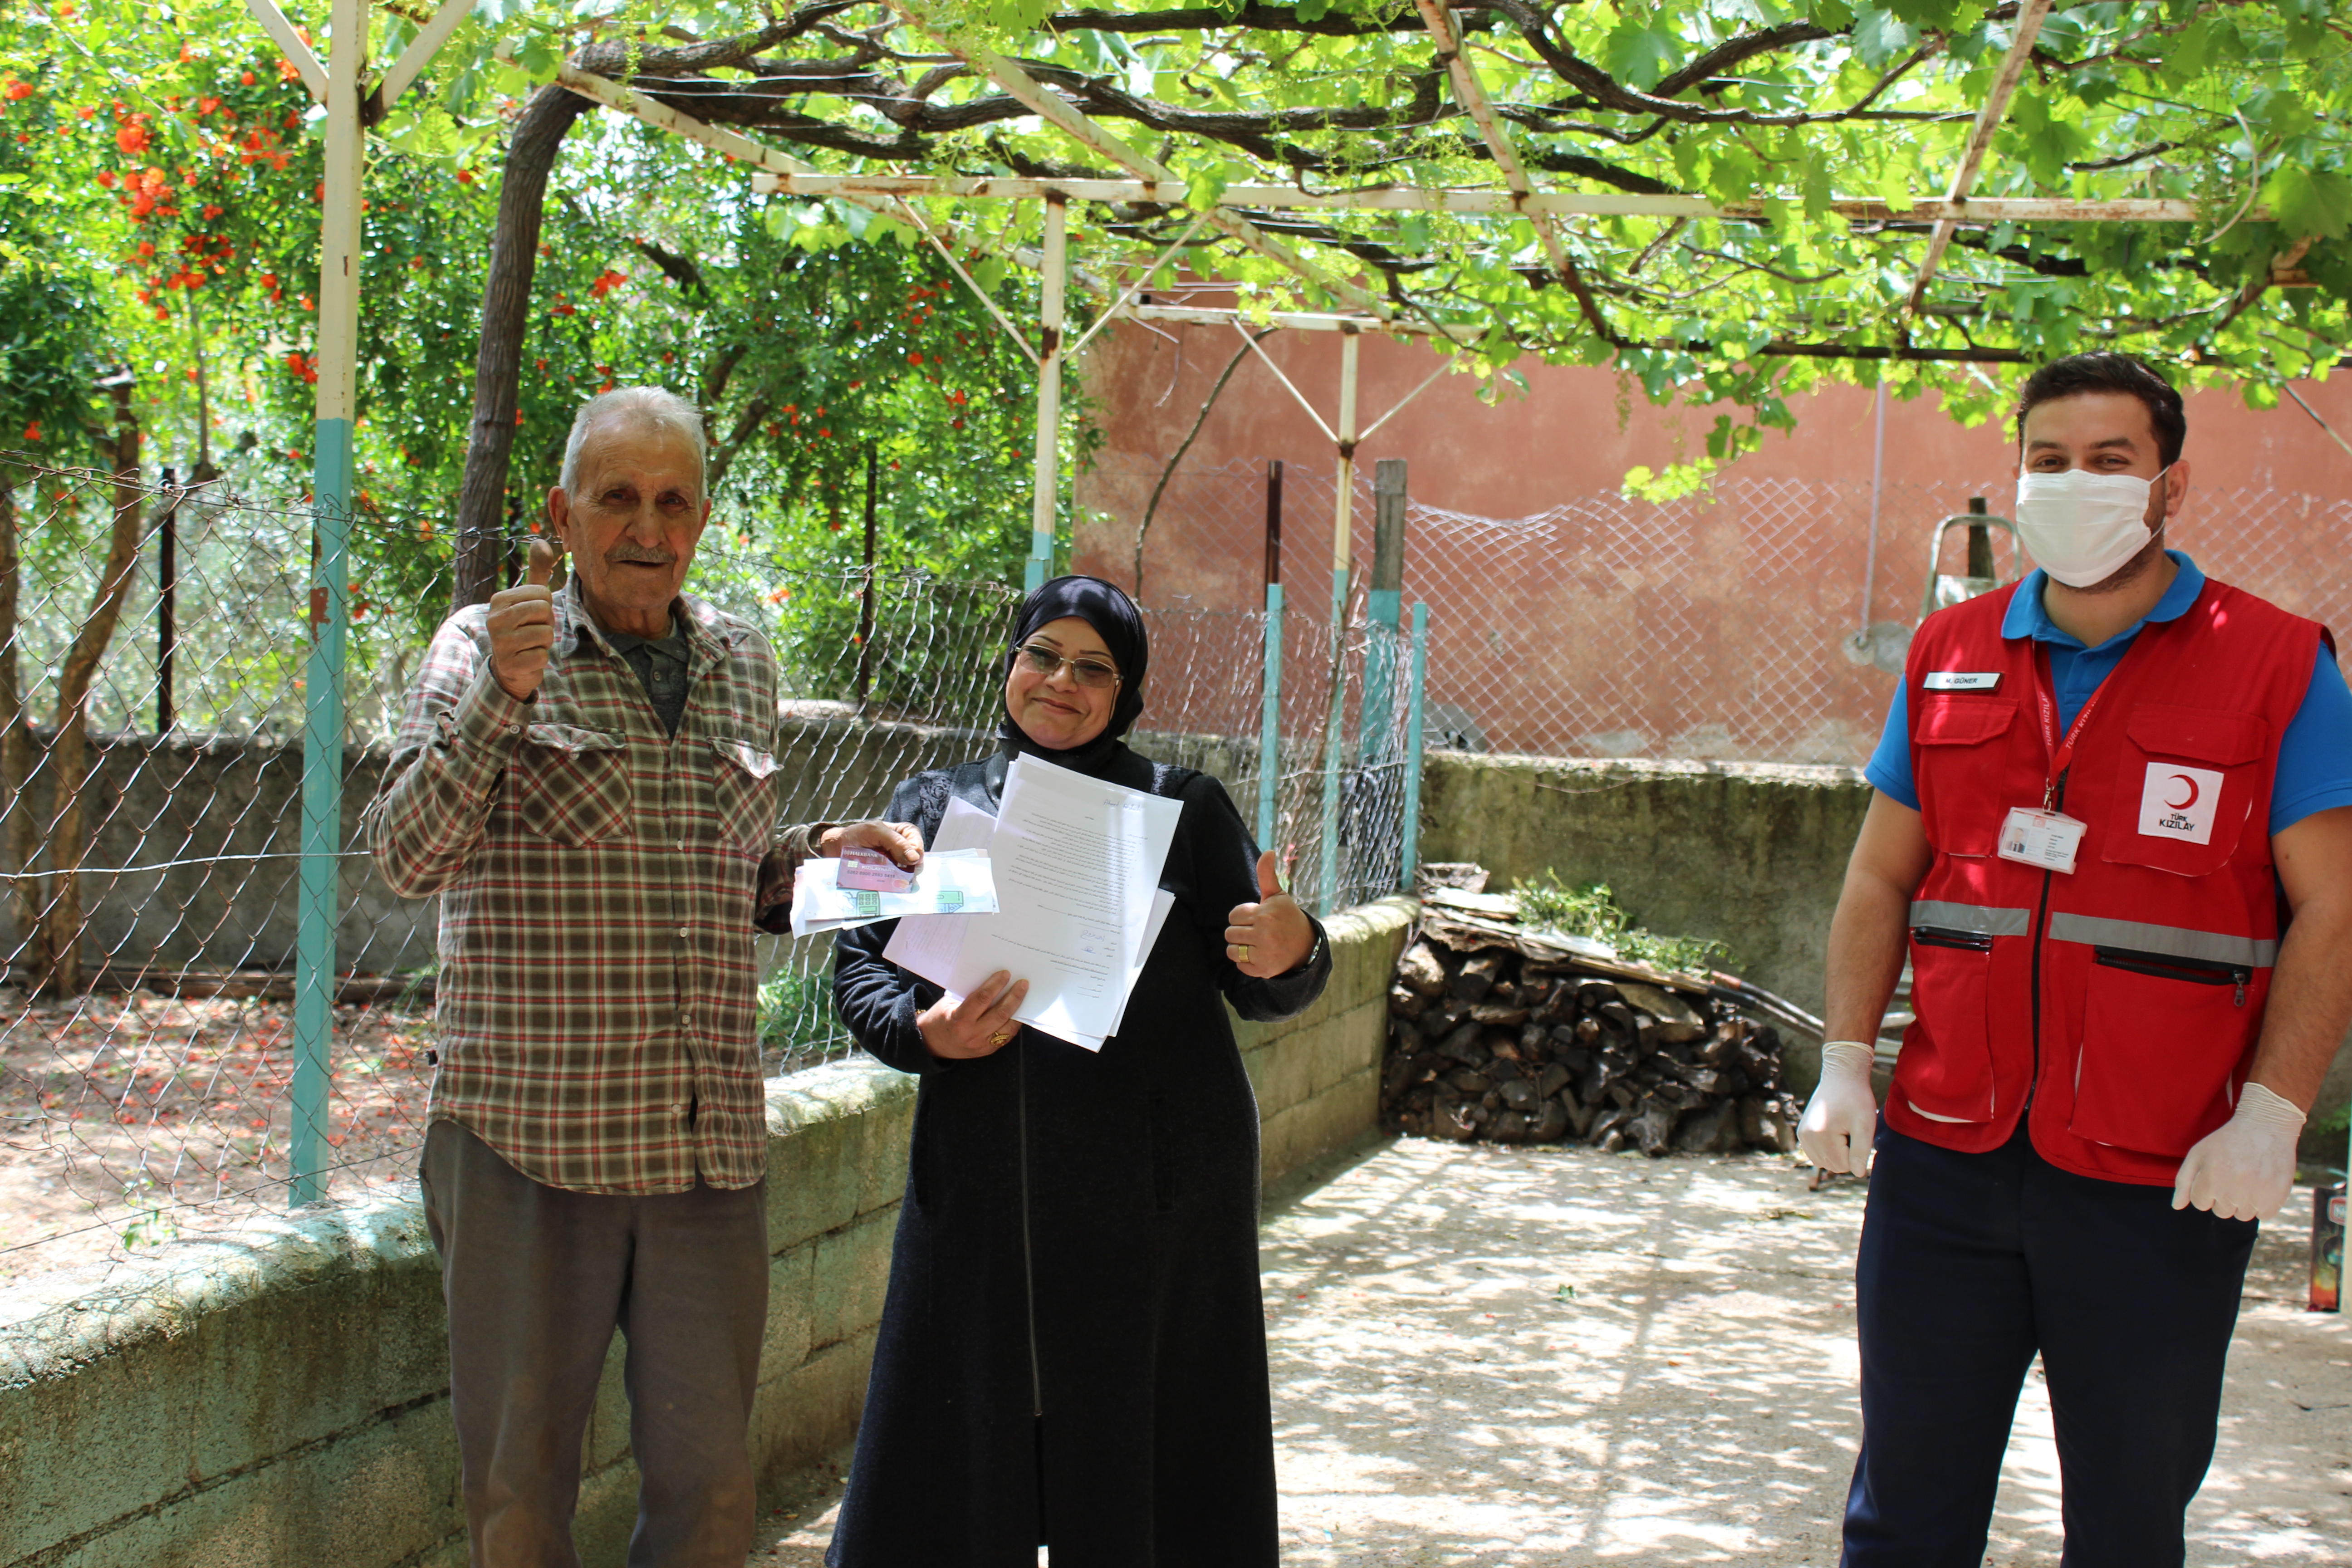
x: 1119, y: 624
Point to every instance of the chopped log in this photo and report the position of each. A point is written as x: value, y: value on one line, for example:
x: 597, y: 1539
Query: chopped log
x: 1713, y: 1131
x: 1478, y: 976
x: 1652, y: 1128
x: 1420, y: 971
x: 1678, y: 1021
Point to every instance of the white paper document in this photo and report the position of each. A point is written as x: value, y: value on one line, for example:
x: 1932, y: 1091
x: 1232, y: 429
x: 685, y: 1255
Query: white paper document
x: 1076, y: 863
x: 950, y: 885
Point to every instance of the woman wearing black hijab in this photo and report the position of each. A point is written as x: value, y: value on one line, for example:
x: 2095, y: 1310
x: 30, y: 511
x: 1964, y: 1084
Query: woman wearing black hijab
x: 1072, y: 1349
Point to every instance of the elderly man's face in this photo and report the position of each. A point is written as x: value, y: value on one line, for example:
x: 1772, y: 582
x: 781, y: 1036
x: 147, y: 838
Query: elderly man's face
x: 633, y: 525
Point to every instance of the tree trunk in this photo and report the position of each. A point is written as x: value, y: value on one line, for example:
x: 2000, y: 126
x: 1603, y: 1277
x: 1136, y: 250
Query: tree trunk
x: 17, y: 847
x: 62, y: 920
x: 497, y: 364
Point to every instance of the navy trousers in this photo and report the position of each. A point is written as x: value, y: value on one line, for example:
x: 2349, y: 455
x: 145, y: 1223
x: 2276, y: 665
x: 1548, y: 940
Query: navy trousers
x: 1969, y: 1265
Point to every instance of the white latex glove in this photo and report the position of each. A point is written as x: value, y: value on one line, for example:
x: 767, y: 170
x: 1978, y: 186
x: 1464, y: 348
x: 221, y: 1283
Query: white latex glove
x: 1842, y: 1114
x: 2244, y: 1169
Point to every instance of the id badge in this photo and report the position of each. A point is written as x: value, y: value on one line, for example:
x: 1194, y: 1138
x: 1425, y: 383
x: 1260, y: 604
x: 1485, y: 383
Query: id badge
x: 871, y: 871
x: 2046, y: 839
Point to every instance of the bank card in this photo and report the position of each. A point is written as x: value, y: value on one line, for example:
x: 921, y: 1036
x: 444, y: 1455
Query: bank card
x: 871, y: 871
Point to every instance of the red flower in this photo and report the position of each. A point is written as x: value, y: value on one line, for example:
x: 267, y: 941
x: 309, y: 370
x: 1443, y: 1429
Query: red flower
x: 106, y: 179
x: 246, y: 77
x: 465, y: 176
x: 914, y: 359
x: 131, y: 139
x: 20, y: 90
x: 606, y: 281
x: 33, y: 431
x: 146, y: 247
x: 285, y: 70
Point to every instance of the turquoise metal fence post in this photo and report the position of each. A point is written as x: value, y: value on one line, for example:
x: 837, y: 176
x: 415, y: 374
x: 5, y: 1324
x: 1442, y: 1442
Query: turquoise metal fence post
x: 1412, y: 754
x: 1269, y: 726
x: 1269, y: 729
x: 1383, y: 608
x: 322, y: 691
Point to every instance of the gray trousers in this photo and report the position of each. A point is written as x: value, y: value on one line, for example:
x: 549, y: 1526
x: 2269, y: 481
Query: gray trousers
x: 536, y: 1278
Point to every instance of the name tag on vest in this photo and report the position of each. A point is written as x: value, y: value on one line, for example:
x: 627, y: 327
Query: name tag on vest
x: 1960, y: 680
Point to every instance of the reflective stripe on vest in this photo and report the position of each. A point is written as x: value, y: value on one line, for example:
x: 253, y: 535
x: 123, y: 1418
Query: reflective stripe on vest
x: 1977, y: 920
x: 2172, y: 942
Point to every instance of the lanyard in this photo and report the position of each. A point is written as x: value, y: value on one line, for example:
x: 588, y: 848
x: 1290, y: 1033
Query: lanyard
x: 2061, y: 751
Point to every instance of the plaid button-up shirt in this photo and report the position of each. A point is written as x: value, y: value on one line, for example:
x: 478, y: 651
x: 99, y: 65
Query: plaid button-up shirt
x: 598, y: 877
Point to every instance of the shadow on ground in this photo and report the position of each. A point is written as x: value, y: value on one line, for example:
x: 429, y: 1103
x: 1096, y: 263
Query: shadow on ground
x: 1487, y: 1355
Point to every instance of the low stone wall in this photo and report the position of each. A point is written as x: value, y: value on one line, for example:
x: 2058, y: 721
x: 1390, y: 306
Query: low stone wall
x: 1750, y: 853
x: 280, y: 1400
x: 1318, y: 1075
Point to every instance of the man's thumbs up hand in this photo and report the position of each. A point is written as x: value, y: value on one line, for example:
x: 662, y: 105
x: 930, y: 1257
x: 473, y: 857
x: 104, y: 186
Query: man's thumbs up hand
x: 1273, y: 935
x: 522, y: 623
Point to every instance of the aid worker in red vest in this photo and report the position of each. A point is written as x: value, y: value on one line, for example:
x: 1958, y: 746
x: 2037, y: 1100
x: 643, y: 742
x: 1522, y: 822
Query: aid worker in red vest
x: 2113, y: 835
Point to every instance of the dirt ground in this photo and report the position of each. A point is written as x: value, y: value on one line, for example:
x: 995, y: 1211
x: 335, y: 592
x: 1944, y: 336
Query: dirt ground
x: 1544, y: 1357
x: 129, y: 1118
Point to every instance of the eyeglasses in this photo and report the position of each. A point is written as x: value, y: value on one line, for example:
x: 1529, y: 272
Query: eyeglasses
x: 1091, y: 673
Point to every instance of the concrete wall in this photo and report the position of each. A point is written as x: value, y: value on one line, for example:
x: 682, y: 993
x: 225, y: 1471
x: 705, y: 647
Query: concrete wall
x: 280, y: 1400
x: 1318, y: 1075
x: 1750, y: 853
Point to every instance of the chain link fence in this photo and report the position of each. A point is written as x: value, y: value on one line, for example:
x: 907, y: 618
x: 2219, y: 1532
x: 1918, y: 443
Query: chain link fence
x: 150, y: 853
x: 1716, y: 626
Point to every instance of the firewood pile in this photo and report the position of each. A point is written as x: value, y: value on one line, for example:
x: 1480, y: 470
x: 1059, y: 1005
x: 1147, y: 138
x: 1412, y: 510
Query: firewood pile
x: 1515, y: 1035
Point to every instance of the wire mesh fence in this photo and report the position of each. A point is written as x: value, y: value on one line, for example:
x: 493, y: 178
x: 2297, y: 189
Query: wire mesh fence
x: 1716, y: 626
x: 150, y: 849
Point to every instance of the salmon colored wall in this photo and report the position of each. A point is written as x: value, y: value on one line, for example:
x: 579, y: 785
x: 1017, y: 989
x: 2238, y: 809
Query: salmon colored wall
x: 1567, y: 621
x: 1572, y: 434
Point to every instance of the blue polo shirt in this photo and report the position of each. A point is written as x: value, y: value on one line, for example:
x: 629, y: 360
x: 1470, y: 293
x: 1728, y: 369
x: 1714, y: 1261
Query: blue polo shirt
x: 2315, y: 765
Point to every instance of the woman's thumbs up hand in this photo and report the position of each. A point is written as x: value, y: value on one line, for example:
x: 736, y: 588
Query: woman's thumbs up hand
x: 522, y: 623
x: 1272, y: 936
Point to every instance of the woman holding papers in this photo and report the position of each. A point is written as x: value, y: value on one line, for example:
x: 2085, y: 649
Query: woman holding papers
x: 1072, y: 1349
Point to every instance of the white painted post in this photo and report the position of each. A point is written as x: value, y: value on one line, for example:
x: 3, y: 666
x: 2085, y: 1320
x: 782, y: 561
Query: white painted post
x: 330, y: 487
x: 1335, y: 720
x: 1047, y: 489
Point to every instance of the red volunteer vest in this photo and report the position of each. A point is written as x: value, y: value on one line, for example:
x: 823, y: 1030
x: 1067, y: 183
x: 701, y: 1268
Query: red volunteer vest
x: 2121, y: 1000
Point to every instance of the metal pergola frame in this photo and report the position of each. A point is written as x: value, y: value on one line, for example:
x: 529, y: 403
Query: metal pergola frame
x: 354, y: 102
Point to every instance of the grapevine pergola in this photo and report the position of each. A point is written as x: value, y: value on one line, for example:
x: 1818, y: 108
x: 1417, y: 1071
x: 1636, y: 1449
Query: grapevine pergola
x: 1724, y: 198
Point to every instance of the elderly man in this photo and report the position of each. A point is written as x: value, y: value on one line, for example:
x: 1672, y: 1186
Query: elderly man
x: 587, y: 776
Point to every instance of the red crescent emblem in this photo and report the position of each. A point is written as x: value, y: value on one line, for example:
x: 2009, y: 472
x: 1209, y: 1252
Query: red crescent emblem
x: 2185, y: 805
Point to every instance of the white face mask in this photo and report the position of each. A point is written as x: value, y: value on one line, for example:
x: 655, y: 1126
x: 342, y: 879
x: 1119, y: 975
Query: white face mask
x: 2081, y: 527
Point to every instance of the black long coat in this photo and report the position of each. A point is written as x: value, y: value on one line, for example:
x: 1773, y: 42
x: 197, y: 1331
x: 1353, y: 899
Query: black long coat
x: 1074, y: 1311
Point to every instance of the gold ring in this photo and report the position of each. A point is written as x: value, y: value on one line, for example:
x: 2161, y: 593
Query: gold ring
x: 1001, y: 1038
x: 1245, y: 948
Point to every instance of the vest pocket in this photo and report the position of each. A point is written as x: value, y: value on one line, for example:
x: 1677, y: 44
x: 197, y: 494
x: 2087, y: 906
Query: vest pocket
x: 574, y: 785
x: 2184, y: 787
x: 1945, y: 1069
x: 1957, y: 820
x: 2161, y: 1034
